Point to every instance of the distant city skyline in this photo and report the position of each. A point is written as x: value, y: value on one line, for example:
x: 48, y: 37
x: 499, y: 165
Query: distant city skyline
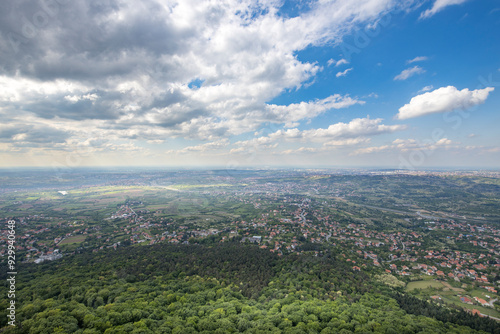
x: 351, y: 83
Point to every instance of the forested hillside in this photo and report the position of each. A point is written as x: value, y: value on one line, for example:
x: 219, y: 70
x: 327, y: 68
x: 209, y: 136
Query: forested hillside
x: 222, y: 289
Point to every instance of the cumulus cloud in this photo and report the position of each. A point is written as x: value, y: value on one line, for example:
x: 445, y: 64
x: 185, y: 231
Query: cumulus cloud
x: 356, y: 128
x: 298, y: 111
x: 59, y: 98
x: 301, y: 150
x: 357, y: 131
x: 32, y: 135
x: 211, y: 146
x: 373, y: 149
x: 405, y: 145
x: 409, y: 72
x: 443, y: 99
x: 347, y: 142
x: 76, y: 98
x: 438, y: 6
x: 126, y: 68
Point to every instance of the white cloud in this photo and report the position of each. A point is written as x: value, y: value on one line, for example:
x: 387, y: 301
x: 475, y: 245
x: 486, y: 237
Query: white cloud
x: 355, y: 128
x: 438, y: 6
x: 304, y: 110
x: 211, y: 146
x: 347, y: 142
x: 417, y: 59
x: 129, y: 67
x: 343, y: 73
x: 301, y: 150
x: 337, y: 62
x: 19, y: 89
x: 443, y: 99
x: 426, y: 89
x: 373, y: 95
x: 409, y: 72
x: 326, y: 147
x: 406, y: 145
x: 342, y: 62
x: 357, y: 131
x: 368, y: 150
x: 443, y: 142
x: 76, y: 98
x: 155, y: 141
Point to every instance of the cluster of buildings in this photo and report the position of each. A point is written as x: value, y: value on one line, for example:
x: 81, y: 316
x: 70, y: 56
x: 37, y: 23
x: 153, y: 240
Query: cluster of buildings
x: 285, y: 224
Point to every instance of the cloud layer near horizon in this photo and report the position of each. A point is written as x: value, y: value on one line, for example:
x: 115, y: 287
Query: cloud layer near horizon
x: 443, y: 99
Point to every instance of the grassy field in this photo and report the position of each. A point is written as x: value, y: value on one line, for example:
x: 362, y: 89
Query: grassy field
x: 73, y: 239
x: 482, y: 293
x: 424, y: 285
x: 105, y: 199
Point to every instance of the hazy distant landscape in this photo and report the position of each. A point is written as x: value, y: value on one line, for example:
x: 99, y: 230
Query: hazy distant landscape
x: 231, y: 245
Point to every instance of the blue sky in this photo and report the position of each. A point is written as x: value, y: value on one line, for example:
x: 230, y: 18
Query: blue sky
x: 235, y: 83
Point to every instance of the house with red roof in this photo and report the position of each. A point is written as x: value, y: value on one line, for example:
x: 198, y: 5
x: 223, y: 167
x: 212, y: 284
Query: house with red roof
x: 466, y: 300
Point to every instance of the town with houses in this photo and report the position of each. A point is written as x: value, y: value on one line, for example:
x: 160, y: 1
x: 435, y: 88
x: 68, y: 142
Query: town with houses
x: 458, y: 258
x: 402, y: 254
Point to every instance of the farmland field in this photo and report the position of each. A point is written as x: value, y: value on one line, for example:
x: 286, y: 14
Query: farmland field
x: 424, y: 285
x: 73, y: 239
